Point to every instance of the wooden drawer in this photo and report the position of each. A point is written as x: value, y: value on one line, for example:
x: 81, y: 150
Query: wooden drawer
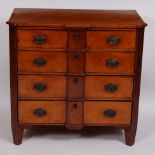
x: 41, y: 39
x: 111, y: 39
x: 108, y: 87
x: 76, y: 62
x: 75, y: 113
x: 110, y: 62
x: 38, y: 112
x: 76, y: 39
x: 41, y: 86
x: 107, y: 113
x: 42, y: 62
x: 75, y: 87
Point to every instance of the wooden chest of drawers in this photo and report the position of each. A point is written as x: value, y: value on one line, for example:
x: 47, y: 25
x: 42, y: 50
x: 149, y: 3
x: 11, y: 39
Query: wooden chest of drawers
x: 75, y: 68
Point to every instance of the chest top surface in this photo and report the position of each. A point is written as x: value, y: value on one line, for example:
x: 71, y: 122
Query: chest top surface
x: 66, y: 18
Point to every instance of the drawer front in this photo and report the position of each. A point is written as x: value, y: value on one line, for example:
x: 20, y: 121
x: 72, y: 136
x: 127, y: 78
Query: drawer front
x: 76, y: 39
x: 76, y: 62
x: 107, y: 113
x: 75, y: 87
x: 75, y: 113
x: 41, y: 39
x: 110, y: 62
x: 41, y: 62
x: 39, y: 112
x: 41, y: 86
x: 108, y: 87
x: 111, y: 39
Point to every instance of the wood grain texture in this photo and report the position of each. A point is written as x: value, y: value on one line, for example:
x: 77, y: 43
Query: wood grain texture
x: 75, y: 113
x: 54, y: 39
x: 55, y: 112
x: 17, y: 130
x: 130, y: 132
x: 75, y: 94
x: 75, y: 87
x: 96, y: 62
x: 55, y: 62
x: 55, y: 86
x: 98, y: 39
x: 76, y: 62
x: 94, y: 112
x: 79, y: 42
x: 65, y: 18
x: 95, y: 87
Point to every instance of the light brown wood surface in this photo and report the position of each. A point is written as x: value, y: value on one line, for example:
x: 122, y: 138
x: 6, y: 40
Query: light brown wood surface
x: 75, y: 87
x: 76, y: 62
x: 95, y: 87
x: 54, y: 39
x: 56, y: 86
x: 94, y: 112
x: 55, y: 62
x: 72, y: 18
x: 55, y: 112
x: 73, y: 93
x: 75, y: 113
x: 98, y: 40
x: 96, y: 62
x: 76, y: 43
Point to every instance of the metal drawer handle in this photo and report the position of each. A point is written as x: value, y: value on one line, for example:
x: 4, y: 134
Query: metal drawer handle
x: 113, y: 40
x: 111, y: 87
x: 39, y: 87
x: 110, y: 113
x: 40, y: 39
x: 39, y: 112
x: 39, y: 62
x: 112, y: 63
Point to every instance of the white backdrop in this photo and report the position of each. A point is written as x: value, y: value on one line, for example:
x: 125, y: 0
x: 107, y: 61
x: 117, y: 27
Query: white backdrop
x: 107, y: 142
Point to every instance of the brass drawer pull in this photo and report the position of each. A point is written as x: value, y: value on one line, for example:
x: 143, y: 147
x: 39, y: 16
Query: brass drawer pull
x: 40, y: 39
x: 113, y: 40
x: 39, y: 112
x: 39, y: 62
x: 76, y: 35
x: 110, y: 113
x: 111, y: 87
x: 112, y: 63
x: 39, y: 87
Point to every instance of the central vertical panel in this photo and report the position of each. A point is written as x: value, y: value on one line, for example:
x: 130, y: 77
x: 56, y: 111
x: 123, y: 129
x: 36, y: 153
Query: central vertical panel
x: 75, y: 86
